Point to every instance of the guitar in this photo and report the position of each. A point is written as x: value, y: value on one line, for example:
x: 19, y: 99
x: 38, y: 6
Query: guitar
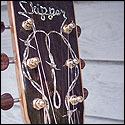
x: 45, y: 46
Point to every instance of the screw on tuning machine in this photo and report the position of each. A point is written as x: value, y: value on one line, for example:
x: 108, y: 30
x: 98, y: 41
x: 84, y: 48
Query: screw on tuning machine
x: 7, y: 101
x: 3, y: 27
x: 5, y: 61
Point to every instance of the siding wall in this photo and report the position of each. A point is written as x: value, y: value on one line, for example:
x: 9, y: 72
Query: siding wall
x: 102, y: 46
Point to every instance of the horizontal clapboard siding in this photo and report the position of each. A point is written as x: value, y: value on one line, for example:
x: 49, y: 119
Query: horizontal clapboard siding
x: 102, y: 46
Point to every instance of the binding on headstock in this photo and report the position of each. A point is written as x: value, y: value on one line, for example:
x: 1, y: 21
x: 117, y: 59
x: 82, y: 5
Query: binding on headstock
x: 50, y: 102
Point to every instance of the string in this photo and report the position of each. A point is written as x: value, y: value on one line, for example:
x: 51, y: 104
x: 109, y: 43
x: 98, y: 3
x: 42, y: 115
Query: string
x: 39, y: 88
x: 46, y: 110
x: 34, y: 30
x: 36, y: 86
x: 71, y: 87
x: 70, y: 74
x: 54, y: 74
x: 73, y: 92
x: 69, y: 117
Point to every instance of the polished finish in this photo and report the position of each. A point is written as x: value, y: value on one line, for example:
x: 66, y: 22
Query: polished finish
x: 7, y: 101
x: 4, y: 61
x: 82, y: 62
x: 85, y: 93
x: 3, y: 27
x: 60, y: 52
x: 78, y: 30
x: 98, y: 76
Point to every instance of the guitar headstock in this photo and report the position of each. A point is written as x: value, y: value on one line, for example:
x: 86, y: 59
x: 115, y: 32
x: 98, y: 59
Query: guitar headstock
x: 48, y: 67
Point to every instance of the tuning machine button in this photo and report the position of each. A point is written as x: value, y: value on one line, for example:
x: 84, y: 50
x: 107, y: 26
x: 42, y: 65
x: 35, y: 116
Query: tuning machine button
x: 5, y: 61
x: 85, y: 93
x: 82, y: 62
x: 3, y: 27
x: 7, y: 101
x: 78, y: 30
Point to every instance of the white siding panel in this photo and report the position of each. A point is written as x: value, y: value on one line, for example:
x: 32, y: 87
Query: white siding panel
x: 102, y: 26
x: 106, y: 89
x: 99, y: 120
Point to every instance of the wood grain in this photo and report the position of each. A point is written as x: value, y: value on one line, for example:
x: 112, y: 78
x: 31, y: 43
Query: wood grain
x: 102, y: 26
x: 106, y: 92
x: 17, y: 62
x: 29, y: 113
x: 103, y: 75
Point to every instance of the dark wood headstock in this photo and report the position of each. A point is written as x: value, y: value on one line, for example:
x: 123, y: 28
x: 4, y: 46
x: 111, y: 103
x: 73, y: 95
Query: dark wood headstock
x: 45, y: 44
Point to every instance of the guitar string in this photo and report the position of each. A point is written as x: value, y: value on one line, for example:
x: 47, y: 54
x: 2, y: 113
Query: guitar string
x: 70, y: 77
x: 25, y: 10
x: 46, y: 110
x: 43, y: 72
x: 71, y: 74
x: 68, y: 73
x: 69, y: 117
x: 74, y: 81
x: 73, y: 94
x: 52, y: 31
x: 38, y: 88
x: 69, y: 107
x: 71, y: 51
x: 53, y: 73
x: 34, y: 30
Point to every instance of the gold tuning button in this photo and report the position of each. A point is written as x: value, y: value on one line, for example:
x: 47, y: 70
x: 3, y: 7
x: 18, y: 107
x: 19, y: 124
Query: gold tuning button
x: 68, y: 28
x: 74, y: 100
x: 71, y: 63
x: 28, y: 24
x: 39, y: 104
x: 33, y: 62
x: 3, y: 27
x: 7, y: 101
x: 5, y: 61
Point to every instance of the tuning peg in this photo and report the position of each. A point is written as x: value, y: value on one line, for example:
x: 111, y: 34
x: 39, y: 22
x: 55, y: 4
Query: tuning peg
x: 78, y: 30
x: 5, y: 61
x: 7, y: 101
x: 3, y: 27
x: 85, y: 93
x: 82, y: 62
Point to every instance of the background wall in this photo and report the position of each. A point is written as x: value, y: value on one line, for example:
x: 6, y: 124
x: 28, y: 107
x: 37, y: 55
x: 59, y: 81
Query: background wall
x: 102, y: 46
